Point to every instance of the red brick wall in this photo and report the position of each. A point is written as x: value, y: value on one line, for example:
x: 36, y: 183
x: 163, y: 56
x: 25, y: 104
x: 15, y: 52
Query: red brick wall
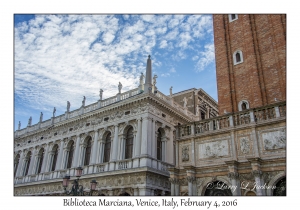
x: 262, y: 76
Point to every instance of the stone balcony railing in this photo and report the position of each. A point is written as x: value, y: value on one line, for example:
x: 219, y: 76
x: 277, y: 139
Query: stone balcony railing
x: 96, y: 169
x: 250, y: 116
x: 98, y: 105
x: 78, y: 112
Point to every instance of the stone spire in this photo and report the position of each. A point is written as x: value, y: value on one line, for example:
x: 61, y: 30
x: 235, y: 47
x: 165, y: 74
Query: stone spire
x: 148, y: 81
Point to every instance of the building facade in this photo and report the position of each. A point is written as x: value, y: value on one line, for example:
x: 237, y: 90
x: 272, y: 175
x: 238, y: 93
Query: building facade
x: 142, y: 142
x: 243, y: 150
x: 126, y: 143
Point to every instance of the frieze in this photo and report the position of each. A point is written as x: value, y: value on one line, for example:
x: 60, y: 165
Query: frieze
x: 274, y: 140
x: 244, y: 145
x: 215, y: 149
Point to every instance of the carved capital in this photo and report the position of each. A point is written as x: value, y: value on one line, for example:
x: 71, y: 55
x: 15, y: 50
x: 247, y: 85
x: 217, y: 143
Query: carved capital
x: 174, y: 180
x: 233, y: 175
x: 191, y: 179
x: 256, y: 173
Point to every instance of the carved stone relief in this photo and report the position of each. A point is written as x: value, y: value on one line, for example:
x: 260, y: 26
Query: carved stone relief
x: 244, y: 145
x: 274, y: 140
x: 215, y: 149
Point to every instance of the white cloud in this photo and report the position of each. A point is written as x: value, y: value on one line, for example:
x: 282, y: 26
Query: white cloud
x: 61, y: 58
x: 206, y: 57
x: 163, y: 44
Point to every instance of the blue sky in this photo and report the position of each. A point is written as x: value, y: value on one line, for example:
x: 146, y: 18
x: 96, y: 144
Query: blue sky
x: 60, y: 58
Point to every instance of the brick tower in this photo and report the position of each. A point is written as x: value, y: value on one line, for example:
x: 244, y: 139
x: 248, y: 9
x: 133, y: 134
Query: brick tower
x: 250, y: 60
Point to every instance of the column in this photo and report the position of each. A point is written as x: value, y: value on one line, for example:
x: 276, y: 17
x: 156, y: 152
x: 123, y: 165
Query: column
x: 146, y: 134
x: 135, y: 191
x: 121, y: 147
x: 45, y: 159
x: 30, y: 171
x: 77, y: 147
x: 233, y: 175
x: 257, y: 173
x: 59, y: 164
x: 164, y: 149
x: 115, y: 144
x: 19, y: 170
x: 138, y: 139
x: 172, y: 186
x: 235, y: 183
x: 191, y: 180
x: 154, y: 140
x: 100, y: 151
x: 177, y: 191
x: 95, y: 149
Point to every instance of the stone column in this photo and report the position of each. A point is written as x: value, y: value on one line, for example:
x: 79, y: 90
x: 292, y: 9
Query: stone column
x: 115, y: 144
x: 164, y: 149
x: 95, y: 149
x: 59, y: 164
x: 138, y: 139
x: 233, y: 175
x: 191, y: 180
x: 30, y: 171
x: 172, y: 180
x: 257, y: 173
x: 177, y: 190
x: 146, y: 136
x: 100, y: 150
x: 19, y: 169
x: 235, y: 182
x: 121, y: 154
x: 154, y: 140
x: 45, y: 161
x: 259, y: 182
x: 135, y: 191
x: 77, y: 147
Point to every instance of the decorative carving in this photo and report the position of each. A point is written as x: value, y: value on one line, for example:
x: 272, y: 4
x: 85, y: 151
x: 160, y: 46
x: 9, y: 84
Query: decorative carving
x: 257, y: 173
x: 274, y: 140
x: 245, y: 145
x: 233, y: 175
x: 185, y: 153
x: 120, y: 87
x: 191, y: 179
x: 214, y: 149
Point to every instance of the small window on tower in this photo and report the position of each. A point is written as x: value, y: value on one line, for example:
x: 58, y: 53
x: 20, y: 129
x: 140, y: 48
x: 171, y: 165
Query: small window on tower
x: 233, y: 17
x: 238, y: 57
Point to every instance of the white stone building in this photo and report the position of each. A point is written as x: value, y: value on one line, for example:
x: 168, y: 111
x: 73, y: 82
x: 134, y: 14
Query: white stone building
x: 126, y: 143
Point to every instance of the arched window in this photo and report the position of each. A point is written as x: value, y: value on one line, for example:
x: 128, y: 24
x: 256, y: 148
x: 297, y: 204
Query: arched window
x: 27, y: 163
x: 40, y: 160
x: 243, y: 105
x: 88, y: 152
x: 107, y: 147
x: 232, y: 17
x: 70, y: 154
x: 54, y: 157
x: 17, y: 159
x: 129, y: 143
x: 159, y: 146
x: 238, y: 57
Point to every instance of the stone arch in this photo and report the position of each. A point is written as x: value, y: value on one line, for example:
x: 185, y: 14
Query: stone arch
x: 274, y: 181
x: 107, y: 139
x: 206, y: 182
x: 243, y: 103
